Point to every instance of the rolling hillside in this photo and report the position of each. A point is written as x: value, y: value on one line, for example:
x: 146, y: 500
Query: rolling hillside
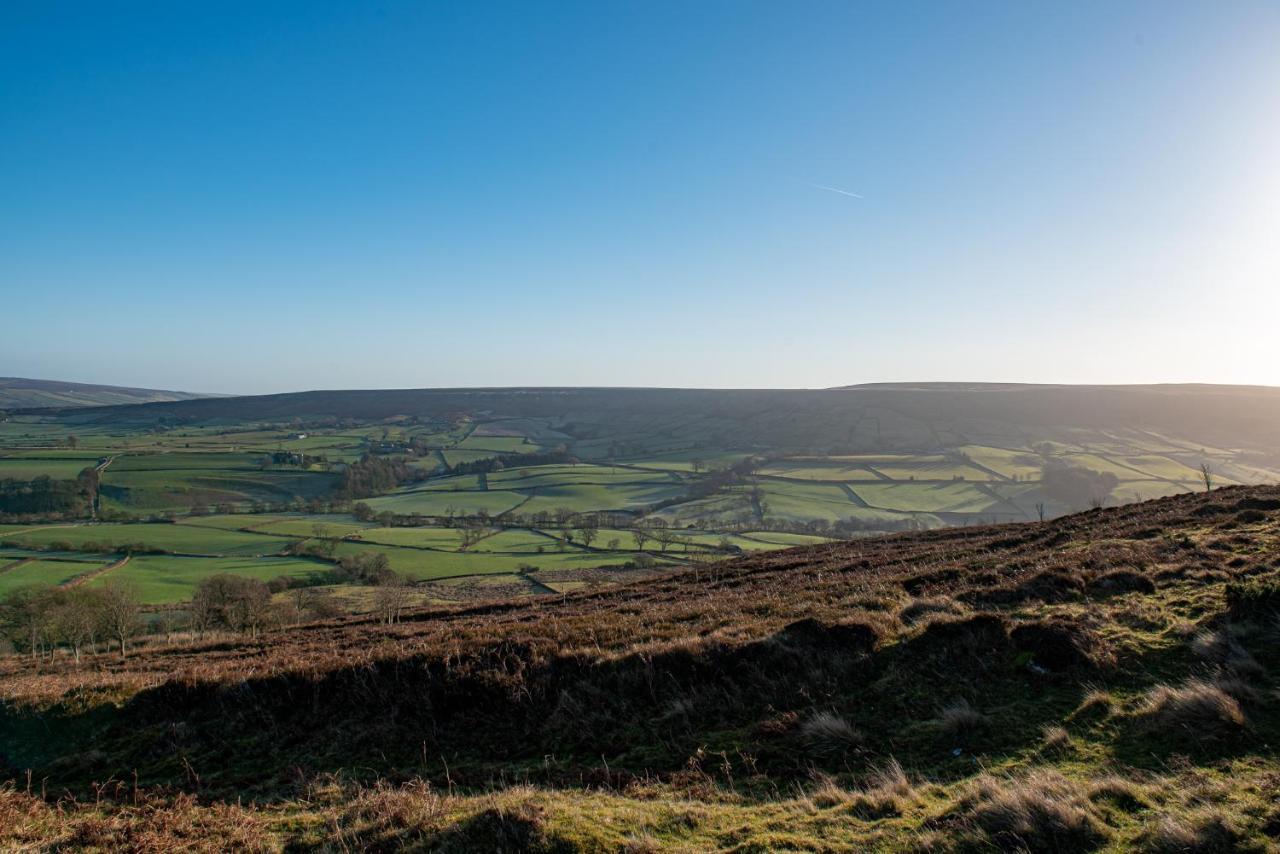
x: 18, y: 393
x: 1100, y: 681
x: 860, y: 417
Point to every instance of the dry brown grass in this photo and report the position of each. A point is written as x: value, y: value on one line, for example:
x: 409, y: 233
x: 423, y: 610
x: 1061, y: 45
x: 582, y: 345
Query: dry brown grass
x: 1097, y: 701
x: 826, y: 735
x: 1221, y: 647
x: 1040, y: 811
x: 149, y: 826
x: 1198, y: 708
x: 885, y: 791
x: 961, y: 722
x: 1056, y: 739
x: 918, y: 609
x: 750, y: 598
x: 1125, y: 794
x: 1205, y: 831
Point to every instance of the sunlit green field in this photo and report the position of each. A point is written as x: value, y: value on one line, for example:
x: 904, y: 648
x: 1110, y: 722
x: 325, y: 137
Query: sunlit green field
x: 16, y: 575
x: 161, y: 579
x: 187, y: 539
x: 523, y: 518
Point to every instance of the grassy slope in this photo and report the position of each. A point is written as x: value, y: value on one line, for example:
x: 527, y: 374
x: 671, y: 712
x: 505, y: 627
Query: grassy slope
x: 1073, y: 685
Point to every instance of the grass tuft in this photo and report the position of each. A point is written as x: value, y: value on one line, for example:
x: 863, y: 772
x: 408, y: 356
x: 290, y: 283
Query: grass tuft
x: 1205, y: 832
x: 1197, y: 708
x: 1041, y: 811
x: 826, y: 735
x: 961, y: 722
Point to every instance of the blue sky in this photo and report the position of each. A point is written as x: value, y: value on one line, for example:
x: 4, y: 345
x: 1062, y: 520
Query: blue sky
x: 255, y: 197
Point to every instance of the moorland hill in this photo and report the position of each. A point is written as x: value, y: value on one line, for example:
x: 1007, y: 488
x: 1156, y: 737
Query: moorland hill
x: 1105, y: 679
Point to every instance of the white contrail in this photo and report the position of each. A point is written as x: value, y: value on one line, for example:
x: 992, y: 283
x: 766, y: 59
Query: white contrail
x: 837, y: 190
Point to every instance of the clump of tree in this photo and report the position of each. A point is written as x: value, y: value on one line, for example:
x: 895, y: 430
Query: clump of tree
x: 233, y: 603
x: 374, y: 475
x: 559, y: 455
x: 44, y: 496
x: 77, y: 619
x: 367, y: 568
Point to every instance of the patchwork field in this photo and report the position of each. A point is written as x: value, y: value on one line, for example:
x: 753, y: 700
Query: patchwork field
x: 492, y: 486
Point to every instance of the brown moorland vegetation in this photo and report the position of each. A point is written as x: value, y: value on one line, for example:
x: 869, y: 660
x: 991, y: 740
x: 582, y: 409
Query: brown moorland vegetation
x: 754, y: 706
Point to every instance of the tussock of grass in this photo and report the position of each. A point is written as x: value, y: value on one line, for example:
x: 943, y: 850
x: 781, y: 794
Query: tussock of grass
x: 961, y: 722
x: 1124, y: 794
x: 918, y: 609
x: 885, y: 791
x: 826, y: 735
x: 1205, y: 831
x: 1041, y: 811
x: 1221, y: 647
x: 1253, y: 598
x: 1096, y: 701
x: 1197, y: 708
x: 1056, y: 738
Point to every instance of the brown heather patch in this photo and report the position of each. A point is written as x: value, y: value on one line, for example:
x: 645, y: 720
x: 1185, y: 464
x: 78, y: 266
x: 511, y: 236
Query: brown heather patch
x: 753, y: 675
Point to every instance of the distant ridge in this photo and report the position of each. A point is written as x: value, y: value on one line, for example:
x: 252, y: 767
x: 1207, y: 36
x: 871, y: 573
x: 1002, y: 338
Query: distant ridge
x: 869, y: 417
x: 21, y: 393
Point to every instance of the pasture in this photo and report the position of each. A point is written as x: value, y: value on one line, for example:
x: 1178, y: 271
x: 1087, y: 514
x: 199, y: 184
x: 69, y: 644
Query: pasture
x: 808, y: 481
x: 166, y: 579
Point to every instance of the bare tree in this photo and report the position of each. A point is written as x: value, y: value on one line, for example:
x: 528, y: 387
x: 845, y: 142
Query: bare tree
x: 664, y: 535
x: 1206, y: 474
x: 76, y: 618
x: 1040, y: 510
x: 641, y: 536
x: 587, y: 532
x: 121, y: 614
x: 390, y: 601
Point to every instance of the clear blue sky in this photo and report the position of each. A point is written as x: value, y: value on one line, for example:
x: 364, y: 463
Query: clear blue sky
x: 270, y: 196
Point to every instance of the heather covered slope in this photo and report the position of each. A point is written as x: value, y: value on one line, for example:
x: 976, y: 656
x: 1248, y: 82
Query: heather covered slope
x: 1101, y: 680
x: 19, y: 393
x: 872, y: 417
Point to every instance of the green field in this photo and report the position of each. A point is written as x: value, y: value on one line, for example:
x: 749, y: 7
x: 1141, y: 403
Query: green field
x: 188, y: 539
x: 56, y: 469
x: 435, y: 503
x: 161, y: 579
x: 40, y: 573
x: 821, y: 466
